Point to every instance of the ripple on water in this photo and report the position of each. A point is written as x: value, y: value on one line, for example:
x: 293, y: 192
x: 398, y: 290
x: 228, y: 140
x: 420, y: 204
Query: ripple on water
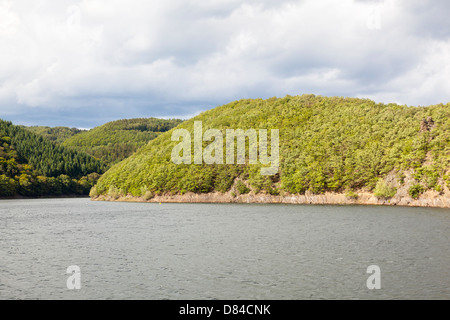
x: 221, y: 251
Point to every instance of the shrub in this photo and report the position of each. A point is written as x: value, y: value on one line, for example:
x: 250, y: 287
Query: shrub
x: 351, y: 195
x: 7, y: 186
x: 430, y: 178
x: 93, y: 193
x: 447, y: 180
x: 148, y: 195
x: 272, y: 191
x: 242, y: 188
x: 401, y: 177
x: 384, y: 190
x: 114, y: 192
x: 416, y: 190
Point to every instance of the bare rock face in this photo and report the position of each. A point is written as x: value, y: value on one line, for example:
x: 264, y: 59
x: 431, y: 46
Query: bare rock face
x: 426, y: 124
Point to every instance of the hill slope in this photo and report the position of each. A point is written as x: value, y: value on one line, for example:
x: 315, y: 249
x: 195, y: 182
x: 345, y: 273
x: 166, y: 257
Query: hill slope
x: 30, y: 165
x: 55, y: 134
x: 327, y: 144
x: 116, y: 140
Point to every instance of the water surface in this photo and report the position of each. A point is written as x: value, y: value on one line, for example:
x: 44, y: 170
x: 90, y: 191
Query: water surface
x: 221, y: 251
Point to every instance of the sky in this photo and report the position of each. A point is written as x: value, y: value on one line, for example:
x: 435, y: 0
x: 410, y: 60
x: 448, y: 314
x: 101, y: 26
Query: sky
x: 83, y: 63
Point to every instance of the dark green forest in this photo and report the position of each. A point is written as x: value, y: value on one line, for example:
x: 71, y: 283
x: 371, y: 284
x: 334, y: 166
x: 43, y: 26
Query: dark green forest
x: 117, y: 140
x: 42, y: 161
x: 31, y: 165
x: 326, y: 144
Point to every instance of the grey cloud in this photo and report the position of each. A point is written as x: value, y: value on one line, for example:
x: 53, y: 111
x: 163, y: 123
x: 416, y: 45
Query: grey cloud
x: 176, y: 58
x: 429, y: 18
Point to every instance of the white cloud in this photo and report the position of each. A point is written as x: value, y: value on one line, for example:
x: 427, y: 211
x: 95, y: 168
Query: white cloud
x: 176, y: 57
x: 427, y: 82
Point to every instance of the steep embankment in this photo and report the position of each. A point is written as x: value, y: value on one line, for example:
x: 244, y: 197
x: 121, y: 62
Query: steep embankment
x: 332, y: 150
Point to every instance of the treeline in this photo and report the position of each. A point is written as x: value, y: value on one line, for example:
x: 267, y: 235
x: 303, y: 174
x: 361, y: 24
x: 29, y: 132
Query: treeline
x: 117, y: 140
x: 55, y: 134
x: 326, y: 144
x: 47, y: 158
x: 143, y: 124
x: 30, y: 165
x: 29, y: 185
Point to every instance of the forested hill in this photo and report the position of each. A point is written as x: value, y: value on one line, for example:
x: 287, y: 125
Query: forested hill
x: 116, y: 140
x: 326, y: 144
x: 55, y: 134
x: 31, y: 165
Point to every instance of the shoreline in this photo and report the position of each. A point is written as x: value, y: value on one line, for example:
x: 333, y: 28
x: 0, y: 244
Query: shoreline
x: 19, y: 197
x: 429, y: 199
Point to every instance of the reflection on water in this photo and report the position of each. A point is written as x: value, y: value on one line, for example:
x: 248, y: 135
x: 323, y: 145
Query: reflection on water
x: 221, y: 251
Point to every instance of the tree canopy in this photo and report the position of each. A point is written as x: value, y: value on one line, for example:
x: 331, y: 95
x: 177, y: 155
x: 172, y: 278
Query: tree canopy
x: 326, y: 144
x: 117, y: 140
x: 31, y: 165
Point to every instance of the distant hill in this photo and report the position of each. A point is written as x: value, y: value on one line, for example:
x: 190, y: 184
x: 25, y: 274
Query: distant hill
x: 327, y: 144
x: 116, y: 140
x: 31, y: 165
x: 55, y: 134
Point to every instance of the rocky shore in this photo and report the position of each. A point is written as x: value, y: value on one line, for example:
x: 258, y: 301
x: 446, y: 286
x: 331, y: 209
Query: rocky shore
x: 427, y: 199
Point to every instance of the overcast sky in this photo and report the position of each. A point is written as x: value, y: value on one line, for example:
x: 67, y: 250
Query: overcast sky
x: 83, y: 63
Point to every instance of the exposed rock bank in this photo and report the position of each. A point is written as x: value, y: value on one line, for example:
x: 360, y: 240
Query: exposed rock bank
x: 428, y: 199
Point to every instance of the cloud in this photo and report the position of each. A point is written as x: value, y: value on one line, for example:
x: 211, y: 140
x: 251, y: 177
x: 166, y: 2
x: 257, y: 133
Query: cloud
x: 86, y: 62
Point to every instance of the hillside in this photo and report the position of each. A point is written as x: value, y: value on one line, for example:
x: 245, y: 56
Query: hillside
x: 327, y: 145
x: 31, y: 165
x: 55, y: 134
x: 117, y: 140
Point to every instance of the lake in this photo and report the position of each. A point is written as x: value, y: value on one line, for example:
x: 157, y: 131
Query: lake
x: 221, y: 251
